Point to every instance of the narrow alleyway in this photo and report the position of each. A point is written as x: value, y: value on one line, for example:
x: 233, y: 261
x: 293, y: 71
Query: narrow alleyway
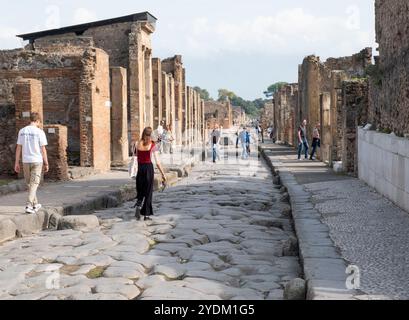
x: 222, y: 233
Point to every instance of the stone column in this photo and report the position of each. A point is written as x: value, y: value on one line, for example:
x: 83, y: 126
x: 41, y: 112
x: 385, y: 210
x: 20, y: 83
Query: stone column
x: 157, y: 92
x: 184, y: 106
x: 165, y: 98
x: 337, y: 77
x: 119, y: 117
x: 172, y: 101
x: 140, y: 78
x: 28, y: 97
x: 148, y: 88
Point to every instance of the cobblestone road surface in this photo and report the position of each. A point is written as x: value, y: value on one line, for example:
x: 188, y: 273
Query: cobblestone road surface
x: 219, y: 234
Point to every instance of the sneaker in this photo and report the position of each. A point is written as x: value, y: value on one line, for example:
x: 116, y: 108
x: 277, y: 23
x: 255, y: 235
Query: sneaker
x: 30, y: 210
x: 37, y: 207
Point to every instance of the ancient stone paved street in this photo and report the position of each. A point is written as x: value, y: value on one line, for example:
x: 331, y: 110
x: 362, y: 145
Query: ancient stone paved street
x: 219, y: 234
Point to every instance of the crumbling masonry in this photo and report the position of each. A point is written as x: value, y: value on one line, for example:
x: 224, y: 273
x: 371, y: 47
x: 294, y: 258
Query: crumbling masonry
x: 98, y: 87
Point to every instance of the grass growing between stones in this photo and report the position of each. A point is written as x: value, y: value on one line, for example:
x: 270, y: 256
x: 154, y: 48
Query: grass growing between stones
x: 95, y: 273
x: 3, y: 182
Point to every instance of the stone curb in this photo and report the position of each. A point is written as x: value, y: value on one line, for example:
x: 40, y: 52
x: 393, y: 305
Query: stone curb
x: 15, y: 186
x: 324, y: 268
x: 48, y: 217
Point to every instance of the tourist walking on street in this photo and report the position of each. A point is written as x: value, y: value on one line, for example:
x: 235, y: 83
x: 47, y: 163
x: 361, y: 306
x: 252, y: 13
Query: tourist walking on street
x: 168, y: 139
x: 316, y: 140
x: 248, y: 141
x: 31, y: 143
x: 159, y: 133
x: 215, y: 140
x: 302, y: 140
x: 144, y: 179
x: 243, y: 141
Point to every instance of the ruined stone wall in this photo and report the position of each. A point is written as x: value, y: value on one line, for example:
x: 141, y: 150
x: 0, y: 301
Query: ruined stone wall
x: 174, y: 66
x: 320, y: 96
x: 8, y: 139
x: 354, y: 114
x: 60, y: 77
x: 219, y: 111
x: 389, y: 79
x: 69, y: 81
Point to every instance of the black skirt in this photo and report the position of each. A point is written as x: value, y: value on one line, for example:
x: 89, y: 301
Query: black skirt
x: 144, y: 187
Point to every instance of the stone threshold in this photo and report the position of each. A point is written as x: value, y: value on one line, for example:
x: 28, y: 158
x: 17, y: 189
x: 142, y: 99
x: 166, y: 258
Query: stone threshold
x: 324, y: 268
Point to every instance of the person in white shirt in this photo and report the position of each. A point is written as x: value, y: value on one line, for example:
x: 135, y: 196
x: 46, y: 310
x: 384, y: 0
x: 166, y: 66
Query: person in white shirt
x: 31, y: 143
x: 243, y: 141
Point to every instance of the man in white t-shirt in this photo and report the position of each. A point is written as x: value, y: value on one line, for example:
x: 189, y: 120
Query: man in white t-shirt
x: 31, y: 143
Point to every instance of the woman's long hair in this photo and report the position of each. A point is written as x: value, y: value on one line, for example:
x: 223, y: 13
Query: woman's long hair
x: 147, y: 136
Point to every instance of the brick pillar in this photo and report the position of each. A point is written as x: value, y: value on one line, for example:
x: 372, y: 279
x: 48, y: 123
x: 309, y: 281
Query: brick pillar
x: 165, y: 98
x: 172, y: 102
x: 148, y: 88
x: 57, y: 152
x: 184, y: 106
x: 157, y: 92
x: 28, y: 97
x: 119, y: 117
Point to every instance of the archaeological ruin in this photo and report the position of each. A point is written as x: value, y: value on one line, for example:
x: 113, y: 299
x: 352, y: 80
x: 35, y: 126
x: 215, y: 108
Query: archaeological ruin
x: 220, y: 113
x: 97, y: 85
x: 361, y: 106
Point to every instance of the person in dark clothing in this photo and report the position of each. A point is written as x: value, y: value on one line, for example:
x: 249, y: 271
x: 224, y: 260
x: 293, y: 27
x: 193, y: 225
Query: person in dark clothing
x: 144, y: 179
x: 316, y: 140
x: 302, y: 140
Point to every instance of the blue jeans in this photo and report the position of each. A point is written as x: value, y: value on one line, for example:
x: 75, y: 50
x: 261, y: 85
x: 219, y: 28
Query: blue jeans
x: 315, y: 145
x: 300, y: 147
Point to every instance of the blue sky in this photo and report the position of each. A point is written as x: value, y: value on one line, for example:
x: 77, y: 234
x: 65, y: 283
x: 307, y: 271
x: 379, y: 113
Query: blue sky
x: 239, y: 45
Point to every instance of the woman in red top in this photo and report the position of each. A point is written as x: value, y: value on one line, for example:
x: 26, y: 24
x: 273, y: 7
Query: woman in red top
x: 144, y: 180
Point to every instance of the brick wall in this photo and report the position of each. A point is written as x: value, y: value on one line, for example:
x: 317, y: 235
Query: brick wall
x: 57, y: 152
x: 60, y: 77
x: 389, y: 80
x: 8, y: 139
x: 28, y: 97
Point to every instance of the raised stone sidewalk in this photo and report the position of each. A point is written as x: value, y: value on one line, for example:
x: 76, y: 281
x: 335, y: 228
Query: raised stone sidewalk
x: 324, y: 268
x: 342, y: 221
x: 81, y: 196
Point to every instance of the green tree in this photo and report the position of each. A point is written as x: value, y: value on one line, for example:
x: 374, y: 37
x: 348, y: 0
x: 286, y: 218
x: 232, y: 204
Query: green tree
x: 224, y: 94
x: 271, y: 90
x: 204, y: 94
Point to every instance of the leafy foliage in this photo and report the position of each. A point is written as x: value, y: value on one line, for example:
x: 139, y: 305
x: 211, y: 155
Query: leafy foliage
x: 204, y: 94
x: 252, y: 108
x: 271, y: 90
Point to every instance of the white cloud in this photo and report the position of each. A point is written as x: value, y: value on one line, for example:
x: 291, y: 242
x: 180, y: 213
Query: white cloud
x: 289, y: 32
x: 83, y: 15
x: 7, y: 33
